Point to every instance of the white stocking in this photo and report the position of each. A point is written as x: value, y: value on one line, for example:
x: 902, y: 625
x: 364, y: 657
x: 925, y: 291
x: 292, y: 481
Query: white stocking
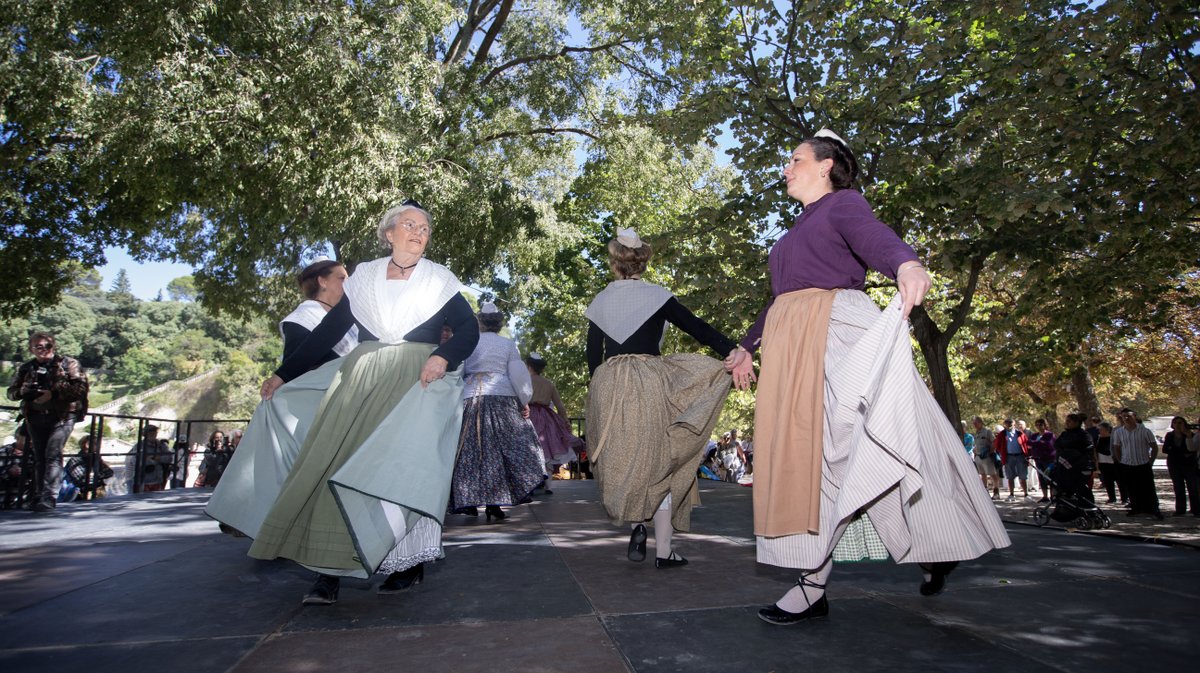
x: 663, y: 531
x: 800, y: 597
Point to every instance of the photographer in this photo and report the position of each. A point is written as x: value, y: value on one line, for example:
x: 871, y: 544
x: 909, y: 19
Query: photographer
x: 216, y: 457
x: 53, y: 394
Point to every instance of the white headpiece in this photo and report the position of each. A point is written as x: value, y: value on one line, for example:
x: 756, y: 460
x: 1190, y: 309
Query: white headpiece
x: 535, y: 356
x: 628, y: 238
x: 488, y: 307
x: 826, y: 133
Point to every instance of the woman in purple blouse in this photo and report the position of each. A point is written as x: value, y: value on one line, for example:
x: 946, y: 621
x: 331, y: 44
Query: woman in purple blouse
x: 1041, y: 449
x: 854, y: 458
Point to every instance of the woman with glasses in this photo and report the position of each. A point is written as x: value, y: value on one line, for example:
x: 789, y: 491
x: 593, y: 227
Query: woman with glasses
x: 346, y: 468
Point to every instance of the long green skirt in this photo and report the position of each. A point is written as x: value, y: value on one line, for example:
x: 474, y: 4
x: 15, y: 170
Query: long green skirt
x: 373, y: 466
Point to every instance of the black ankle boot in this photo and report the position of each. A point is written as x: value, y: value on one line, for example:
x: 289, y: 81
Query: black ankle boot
x: 494, y: 511
x: 324, y: 591
x: 404, y: 579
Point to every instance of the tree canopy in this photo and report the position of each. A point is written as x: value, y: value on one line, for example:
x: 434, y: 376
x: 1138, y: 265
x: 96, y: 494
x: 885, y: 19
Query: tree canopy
x: 1040, y: 155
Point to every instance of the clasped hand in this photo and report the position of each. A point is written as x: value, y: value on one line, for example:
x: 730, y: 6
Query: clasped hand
x: 740, y: 364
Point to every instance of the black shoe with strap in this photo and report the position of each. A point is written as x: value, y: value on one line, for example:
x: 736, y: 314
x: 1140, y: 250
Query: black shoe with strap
x: 672, y: 561
x: 937, y: 577
x: 401, y: 580
x: 637, y: 543
x: 324, y: 591
x: 774, y: 614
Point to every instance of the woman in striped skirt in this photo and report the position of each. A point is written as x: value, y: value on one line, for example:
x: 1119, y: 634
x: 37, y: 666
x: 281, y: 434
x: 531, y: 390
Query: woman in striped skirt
x: 846, y: 434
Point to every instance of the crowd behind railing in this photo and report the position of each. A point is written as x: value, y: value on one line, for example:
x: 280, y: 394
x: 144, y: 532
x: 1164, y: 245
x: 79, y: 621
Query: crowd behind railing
x: 164, y: 454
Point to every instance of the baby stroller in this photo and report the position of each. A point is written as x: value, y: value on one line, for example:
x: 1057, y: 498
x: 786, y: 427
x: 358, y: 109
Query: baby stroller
x: 1073, y: 503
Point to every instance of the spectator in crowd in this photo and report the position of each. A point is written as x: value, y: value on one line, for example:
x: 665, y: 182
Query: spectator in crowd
x: 87, y: 471
x: 1032, y: 477
x: 748, y: 450
x: 968, y: 439
x: 1015, y: 457
x: 1092, y: 427
x: 1074, y: 452
x: 732, y: 458
x: 216, y: 456
x: 14, y: 470
x: 53, y: 393
x: 235, y: 438
x: 180, y: 459
x: 1134, y: 450
x: 1041, y: 449
x: 154, y: 457
x: 984, y: 454
x: 1181, y: 464
x: 1109, y: 475
x: 1194, y: 442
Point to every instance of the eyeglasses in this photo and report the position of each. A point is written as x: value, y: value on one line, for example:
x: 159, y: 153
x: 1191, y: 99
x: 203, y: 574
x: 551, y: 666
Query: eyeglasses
x: 42, y: 347
x: 414, y: 227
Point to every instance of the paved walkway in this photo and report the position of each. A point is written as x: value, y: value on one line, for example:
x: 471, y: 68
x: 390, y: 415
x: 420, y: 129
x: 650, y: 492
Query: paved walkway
x: 1174, y: 530
x: 145, y: 583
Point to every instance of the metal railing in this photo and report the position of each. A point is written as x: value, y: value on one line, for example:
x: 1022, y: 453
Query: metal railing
x: 179, y: 448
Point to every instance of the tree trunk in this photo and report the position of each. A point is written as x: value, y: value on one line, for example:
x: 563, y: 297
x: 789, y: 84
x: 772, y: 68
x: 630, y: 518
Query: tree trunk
x: 1085, y: 393
x: 934, y: 343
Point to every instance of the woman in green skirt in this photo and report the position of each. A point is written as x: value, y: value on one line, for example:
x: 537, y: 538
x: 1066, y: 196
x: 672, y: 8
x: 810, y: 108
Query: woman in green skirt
x: 346, y: 468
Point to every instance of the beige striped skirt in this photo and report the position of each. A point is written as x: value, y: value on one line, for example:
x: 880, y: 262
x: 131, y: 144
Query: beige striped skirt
x: 648, y: 421
x: 888, y: 453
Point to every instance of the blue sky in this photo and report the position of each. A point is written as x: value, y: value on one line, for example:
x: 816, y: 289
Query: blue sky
x: 147, y: 278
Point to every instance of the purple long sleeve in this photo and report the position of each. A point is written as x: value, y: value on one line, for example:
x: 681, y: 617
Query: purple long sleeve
x: 830, y: 246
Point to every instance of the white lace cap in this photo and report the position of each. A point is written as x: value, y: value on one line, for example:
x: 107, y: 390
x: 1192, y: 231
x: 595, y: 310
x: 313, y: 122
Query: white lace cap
x: 488, y: 307
x: 826, y: 133
x: 628, y: 238
x: 535, y: 356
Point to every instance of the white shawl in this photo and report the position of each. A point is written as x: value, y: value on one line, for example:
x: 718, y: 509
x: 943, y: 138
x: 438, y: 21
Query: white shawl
x: 624, y: 306
x: 429, y: 287
x: 309, y: 314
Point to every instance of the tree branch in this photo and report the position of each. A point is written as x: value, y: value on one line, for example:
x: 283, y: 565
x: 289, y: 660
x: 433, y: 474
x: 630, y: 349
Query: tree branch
x: 959, y: 316
x: 541, y: 131
x: 492, y: 33
x: 549, y: 57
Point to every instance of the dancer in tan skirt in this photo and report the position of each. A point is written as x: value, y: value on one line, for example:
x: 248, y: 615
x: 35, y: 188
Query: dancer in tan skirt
x: 846, y: 434
x: 648, y: 416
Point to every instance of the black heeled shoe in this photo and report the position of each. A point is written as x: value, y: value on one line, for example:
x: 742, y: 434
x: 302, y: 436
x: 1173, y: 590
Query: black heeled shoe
x: 637, y: 543
x: 468, y: 511
x: 776, y: 615
x: 401, y: 580
x: 324, y: 591
x: 937, y: 577
x: 672, y: 561
x: 494, y: 511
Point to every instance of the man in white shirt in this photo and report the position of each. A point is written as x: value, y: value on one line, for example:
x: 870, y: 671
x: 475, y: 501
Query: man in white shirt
x: 1134, y: 450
